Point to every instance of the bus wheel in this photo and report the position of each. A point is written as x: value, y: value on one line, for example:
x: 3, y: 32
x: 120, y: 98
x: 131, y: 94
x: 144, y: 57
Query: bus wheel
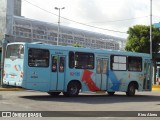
x: 54, y: 93
x: 110, y: 93
x: 72, y: 89
x: 131, y: 90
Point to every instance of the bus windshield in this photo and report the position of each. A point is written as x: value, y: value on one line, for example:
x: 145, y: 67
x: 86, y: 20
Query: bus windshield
x: 15, y: 51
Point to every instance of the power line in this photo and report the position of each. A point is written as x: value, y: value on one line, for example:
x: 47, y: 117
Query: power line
x: 80, y: 22
x: 156, y: 16
x: 121, y: 20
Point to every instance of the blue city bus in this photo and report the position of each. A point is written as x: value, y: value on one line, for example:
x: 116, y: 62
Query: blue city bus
x: 158, y: 74
x: 70, y: 70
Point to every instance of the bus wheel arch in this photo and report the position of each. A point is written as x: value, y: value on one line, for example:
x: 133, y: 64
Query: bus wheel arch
x: 73, y: 88
x: 132, y: 86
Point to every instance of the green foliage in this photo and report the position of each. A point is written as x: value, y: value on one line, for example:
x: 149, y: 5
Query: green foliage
x: 77, y: 45
x: 139, y: 39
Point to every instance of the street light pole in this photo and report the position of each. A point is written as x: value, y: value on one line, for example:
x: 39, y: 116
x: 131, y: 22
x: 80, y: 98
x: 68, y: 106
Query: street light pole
x: 59, y: 15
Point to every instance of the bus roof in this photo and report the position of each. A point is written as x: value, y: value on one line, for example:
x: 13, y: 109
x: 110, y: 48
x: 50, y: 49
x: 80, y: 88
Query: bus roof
x: 81, y: 49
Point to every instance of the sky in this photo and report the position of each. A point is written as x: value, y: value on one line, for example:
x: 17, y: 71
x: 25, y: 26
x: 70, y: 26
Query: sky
x: 111, y: 17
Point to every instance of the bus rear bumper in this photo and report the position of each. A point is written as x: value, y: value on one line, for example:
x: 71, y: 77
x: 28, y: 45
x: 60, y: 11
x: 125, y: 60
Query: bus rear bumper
x: 12, y: 83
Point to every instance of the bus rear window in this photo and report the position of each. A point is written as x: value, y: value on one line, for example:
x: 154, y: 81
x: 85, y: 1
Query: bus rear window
x: 15, y: 51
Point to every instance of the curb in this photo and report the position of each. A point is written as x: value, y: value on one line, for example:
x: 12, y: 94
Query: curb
x: 156, y: 87
x: 11, y: 89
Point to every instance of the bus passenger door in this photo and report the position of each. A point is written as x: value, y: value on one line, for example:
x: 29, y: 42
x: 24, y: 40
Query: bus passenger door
x: 101, y: 73
x: 57, y: 72
x: 147, y: 84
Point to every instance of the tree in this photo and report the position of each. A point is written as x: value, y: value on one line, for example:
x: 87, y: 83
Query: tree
x: 139, y: 39
x: 77, y: 45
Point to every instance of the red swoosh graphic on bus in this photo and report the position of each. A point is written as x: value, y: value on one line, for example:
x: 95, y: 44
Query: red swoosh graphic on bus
x: 15, y: 67
x: 86, y: 77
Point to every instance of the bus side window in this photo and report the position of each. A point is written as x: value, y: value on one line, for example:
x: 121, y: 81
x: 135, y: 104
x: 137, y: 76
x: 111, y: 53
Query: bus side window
x: 38, y: 57
x: 71, y: 59
x: 54, y: 64
x: 61, y: 64
x: 84, y: 60
x: 105, y: 66
x: 135, y: 64
x: 98, y: 70
x: 118, y: 62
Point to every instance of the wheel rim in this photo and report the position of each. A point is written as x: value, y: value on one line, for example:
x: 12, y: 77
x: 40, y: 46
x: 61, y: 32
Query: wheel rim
x: 73, y: 89
x: 132, y: 89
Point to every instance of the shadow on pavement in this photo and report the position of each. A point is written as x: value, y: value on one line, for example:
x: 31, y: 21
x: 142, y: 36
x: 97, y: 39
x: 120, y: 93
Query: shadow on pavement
x: 95, y: 99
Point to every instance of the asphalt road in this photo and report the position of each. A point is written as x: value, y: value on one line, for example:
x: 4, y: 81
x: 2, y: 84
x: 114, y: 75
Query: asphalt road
x: 22, y: 101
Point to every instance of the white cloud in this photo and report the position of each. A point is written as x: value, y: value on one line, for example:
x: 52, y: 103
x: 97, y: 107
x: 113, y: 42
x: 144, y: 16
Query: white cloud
x: 100, y: 13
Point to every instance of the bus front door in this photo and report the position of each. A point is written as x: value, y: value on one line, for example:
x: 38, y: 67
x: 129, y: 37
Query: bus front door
x: 101, y: 73
x: 147, y: 84
x: 57, y: 72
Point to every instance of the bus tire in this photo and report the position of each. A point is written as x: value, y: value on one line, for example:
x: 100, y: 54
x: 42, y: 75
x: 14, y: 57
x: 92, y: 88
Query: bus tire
x: 72, y: 89
x: 110, y: 93
x: 54, y: 93
x: 131, y: 90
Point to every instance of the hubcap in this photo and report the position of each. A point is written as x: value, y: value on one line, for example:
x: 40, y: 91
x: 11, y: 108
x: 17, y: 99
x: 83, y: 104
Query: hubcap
x: 73, y: 89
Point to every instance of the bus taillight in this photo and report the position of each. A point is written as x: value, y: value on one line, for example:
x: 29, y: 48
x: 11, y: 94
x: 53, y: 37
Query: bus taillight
x: 4, y: 73
x: 21, y: 75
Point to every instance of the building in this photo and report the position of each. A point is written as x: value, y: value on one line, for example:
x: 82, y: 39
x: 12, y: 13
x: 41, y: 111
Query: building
x: 36, y: 31
x: 14, y: 27
x: 8, y: 9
